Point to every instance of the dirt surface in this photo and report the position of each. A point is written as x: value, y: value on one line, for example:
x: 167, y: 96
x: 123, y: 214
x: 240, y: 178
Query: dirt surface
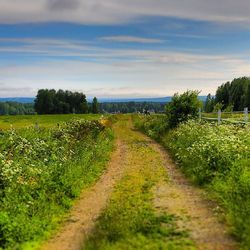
x: 92, y: 201
x: 197, y: 214
x: 175, y: 196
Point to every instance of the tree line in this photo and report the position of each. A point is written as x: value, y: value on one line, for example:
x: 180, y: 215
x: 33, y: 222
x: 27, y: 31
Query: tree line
x: 131, y: 107
x: 47, y: 105
x: 50, y: 101
x: 15, y: 108
x: 230, y: 96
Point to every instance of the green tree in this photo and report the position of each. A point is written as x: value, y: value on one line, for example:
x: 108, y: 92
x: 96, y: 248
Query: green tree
x: 235, y: 94
x: 223, y: 94
x: 84, y: 106
x: 183, y: 107
x: 95, y: 106
x: 229, y: 108
x: 60, y: 102
x: 44, y: 101
x: 218, y: 106
x: 209, y: 104
x: 247, y: 99
x: 15, y: 108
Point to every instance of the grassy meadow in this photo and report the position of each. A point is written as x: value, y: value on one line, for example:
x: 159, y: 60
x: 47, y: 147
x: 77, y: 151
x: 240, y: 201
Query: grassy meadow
x: 45, y: 121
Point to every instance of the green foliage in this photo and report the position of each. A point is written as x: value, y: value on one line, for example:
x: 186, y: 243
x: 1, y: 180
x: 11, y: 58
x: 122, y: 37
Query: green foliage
x: 154, y: 126
x: 41, y: 173
x: 235, y: 93
x: 206, y: 150
x: 14, y: 108
x: 218, y: 106
x: 233, y: 191
x: 209, y: 104
x: 132, y: 107
x: 183, y: 107
x: 95, y: 106
x: 229, y: 108
x: 49, y: 101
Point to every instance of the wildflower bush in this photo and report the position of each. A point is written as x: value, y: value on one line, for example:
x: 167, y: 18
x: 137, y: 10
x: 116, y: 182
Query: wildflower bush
x: 208, y: 151
x: 217, y: 157
x: 42, y: 171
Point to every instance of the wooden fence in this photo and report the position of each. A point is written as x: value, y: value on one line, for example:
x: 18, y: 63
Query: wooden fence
x: 236, y: 117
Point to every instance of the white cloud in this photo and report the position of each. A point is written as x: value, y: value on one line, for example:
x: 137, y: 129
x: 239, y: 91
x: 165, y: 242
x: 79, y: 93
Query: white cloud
x: 82, y: 50
x: 120, y: 11
x: 130, y: 39
x: 7, y: 91
x: 146, y: 76
x: 112, y: 72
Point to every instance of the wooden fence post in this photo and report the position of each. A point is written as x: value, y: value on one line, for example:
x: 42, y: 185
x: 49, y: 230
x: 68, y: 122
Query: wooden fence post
x: 246, y: 114
x: 219, y: 117
x: 199, y: 114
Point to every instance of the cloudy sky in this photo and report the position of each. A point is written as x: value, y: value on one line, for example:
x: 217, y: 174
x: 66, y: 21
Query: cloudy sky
x: 118, y: 48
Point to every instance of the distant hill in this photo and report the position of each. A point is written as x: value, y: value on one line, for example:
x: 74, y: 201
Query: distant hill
x: 18, y: 99
x: 101, y: 100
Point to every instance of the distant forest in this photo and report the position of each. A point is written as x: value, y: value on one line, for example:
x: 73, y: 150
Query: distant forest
x: 230, y: 96
x: 14, y: 108
x: 50, y: 101
x: 132, y: 107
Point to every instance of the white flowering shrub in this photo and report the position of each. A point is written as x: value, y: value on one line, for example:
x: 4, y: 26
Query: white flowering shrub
x: 206, y: 150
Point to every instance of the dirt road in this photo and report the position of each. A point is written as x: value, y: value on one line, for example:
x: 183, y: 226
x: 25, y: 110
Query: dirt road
x: 176, y: 196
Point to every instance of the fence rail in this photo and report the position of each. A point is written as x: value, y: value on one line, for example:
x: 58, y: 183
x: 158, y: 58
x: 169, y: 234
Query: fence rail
x: 235, y: 117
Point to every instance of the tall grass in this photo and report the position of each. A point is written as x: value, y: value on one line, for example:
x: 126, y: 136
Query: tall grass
x: 42, y: 171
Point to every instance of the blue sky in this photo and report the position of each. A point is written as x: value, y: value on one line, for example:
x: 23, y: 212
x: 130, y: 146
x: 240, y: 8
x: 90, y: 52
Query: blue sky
x: 118, y: 48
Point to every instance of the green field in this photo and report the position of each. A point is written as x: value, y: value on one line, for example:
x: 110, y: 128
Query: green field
x: 22, y: 121
x: 226, y: 116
